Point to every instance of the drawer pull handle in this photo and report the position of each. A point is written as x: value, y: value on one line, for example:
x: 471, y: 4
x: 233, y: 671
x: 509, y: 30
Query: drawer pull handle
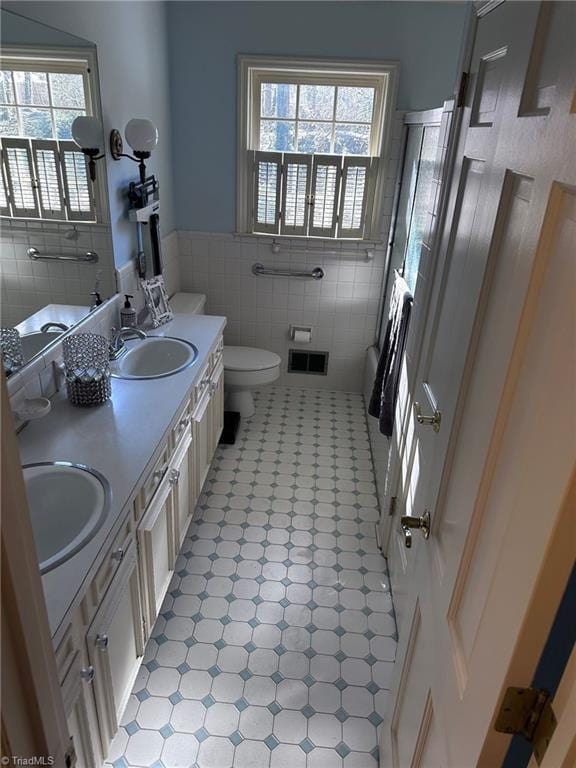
x: 101, y: 642
x: 87, y: 674
x: 183, y: 423
x: 213, y: 387
x: 118, y: 554
x: 174, y: 476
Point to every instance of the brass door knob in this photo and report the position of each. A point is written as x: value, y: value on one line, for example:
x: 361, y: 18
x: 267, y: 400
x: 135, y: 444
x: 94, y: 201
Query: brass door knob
x: 410, y: 523
x: 429, y: 421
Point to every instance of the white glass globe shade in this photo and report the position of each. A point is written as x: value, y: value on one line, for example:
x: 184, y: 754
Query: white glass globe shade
x: 87, y: 132
x: 142, y: 135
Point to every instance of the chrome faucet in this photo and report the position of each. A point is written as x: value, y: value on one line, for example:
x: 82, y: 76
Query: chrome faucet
x: 117, y: 347
x: 46, y: 327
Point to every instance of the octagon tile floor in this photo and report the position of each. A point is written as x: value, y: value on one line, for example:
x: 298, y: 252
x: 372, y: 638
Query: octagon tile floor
x: 276, y: 641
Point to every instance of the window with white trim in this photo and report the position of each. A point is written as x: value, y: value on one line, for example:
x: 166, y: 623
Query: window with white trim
x: 312, y: 140
x: 44, y: 173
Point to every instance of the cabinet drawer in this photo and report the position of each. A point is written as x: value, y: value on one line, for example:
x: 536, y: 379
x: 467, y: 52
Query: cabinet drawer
x: 115, y: 556
x: 154, y: 478
x: 179, y: 429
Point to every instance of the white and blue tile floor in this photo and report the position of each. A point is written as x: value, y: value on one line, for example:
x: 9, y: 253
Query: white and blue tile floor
x: 276, y: 641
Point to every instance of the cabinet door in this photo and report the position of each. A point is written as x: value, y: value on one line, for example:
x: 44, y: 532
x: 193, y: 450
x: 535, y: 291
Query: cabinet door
x: 76, y: 693
x: 182, y: 476
x: 201, y: 425
x: 115, y: 646
x: 156, y: 544
x: 216, y: 408
x: 79, y: 729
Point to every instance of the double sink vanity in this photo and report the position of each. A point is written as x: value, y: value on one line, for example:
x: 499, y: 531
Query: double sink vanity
x: 133, y: 468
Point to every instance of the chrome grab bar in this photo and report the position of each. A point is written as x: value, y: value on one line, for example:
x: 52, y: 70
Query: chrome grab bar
x: 259, y: 269
x: 91, y: 257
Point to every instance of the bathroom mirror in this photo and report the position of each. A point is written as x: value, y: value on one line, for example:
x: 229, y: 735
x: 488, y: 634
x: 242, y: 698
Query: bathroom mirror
x: 56, y: 252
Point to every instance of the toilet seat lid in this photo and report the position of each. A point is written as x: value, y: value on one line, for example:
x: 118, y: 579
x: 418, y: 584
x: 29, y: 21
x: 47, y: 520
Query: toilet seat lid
x: 249, y: 359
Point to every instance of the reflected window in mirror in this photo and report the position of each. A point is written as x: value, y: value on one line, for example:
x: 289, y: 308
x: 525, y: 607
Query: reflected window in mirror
x: 44, y: 173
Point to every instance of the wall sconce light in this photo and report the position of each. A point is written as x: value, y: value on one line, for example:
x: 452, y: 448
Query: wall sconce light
x: 142, y: 136
x: 87, y: 134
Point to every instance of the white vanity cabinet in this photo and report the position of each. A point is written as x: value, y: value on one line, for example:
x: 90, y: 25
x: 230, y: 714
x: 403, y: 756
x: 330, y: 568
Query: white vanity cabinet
x: 100, y: 654
x: 115, y: 644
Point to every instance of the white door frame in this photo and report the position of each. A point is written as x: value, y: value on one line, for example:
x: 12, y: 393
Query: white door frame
x: 33, y: 715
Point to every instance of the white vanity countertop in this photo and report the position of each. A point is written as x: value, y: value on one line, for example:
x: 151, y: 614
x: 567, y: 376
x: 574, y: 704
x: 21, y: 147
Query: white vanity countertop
x: 118, y: 439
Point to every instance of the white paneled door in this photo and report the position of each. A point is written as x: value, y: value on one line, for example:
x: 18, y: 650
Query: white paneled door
x: 498, y: 366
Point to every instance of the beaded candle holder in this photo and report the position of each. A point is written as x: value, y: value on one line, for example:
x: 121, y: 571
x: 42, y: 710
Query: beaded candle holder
x: 11, y: 349
x: 86, y: 358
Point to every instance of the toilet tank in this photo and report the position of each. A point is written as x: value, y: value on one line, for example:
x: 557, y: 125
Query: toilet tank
x: 188, y: 303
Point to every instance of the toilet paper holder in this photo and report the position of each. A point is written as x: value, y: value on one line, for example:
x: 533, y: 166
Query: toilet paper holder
x: 301, y: 334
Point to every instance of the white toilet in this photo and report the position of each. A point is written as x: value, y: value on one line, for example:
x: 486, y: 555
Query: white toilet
x: 245, y: 368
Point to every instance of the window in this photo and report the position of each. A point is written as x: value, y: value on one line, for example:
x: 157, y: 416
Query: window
x: 44, y: 174
x: 311, y: 146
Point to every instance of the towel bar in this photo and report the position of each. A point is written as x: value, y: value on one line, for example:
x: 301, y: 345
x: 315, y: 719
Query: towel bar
x: 259, y: 269
x: 91, y: 257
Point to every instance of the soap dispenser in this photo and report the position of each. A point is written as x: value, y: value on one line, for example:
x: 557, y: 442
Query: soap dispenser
x: 128, y: 313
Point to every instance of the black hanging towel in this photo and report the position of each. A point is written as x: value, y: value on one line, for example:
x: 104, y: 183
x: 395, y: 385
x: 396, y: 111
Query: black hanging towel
x: 385, y: 390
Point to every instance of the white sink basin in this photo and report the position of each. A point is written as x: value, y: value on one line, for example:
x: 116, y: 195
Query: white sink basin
x: 32, y: 343
x: 68, y: 503
x: 155, y: 357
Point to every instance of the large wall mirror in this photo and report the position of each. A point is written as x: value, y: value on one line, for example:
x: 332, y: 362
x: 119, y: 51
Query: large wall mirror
x: 56, y: 253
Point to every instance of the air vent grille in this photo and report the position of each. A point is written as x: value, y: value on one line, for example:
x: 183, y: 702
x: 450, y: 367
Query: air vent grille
x: 307, y: 362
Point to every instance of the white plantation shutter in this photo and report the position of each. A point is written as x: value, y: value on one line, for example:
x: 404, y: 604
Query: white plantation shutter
x: 356, y: 178
x: 44, y: 179
x: 312, y: 195
x: 325, y: 188
x: 77, y: 184
x: 47, y: 162
x: 296, y: 184
x: 267, y: 185
x: 20, y: 177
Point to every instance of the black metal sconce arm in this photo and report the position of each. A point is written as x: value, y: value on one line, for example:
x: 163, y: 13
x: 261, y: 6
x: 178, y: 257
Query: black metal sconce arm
x: 116, y: 150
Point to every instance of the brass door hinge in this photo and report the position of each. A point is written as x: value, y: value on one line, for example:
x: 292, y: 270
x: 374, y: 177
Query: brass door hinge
x: 528, y: 711
x: 392, y: 506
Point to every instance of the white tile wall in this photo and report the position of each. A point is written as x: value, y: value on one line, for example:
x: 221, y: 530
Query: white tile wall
x: 27, y: 285
x: 342, y: 308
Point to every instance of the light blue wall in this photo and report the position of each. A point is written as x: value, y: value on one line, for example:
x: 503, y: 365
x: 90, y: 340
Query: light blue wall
x: 205, y: 38
x: 132, y: 58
